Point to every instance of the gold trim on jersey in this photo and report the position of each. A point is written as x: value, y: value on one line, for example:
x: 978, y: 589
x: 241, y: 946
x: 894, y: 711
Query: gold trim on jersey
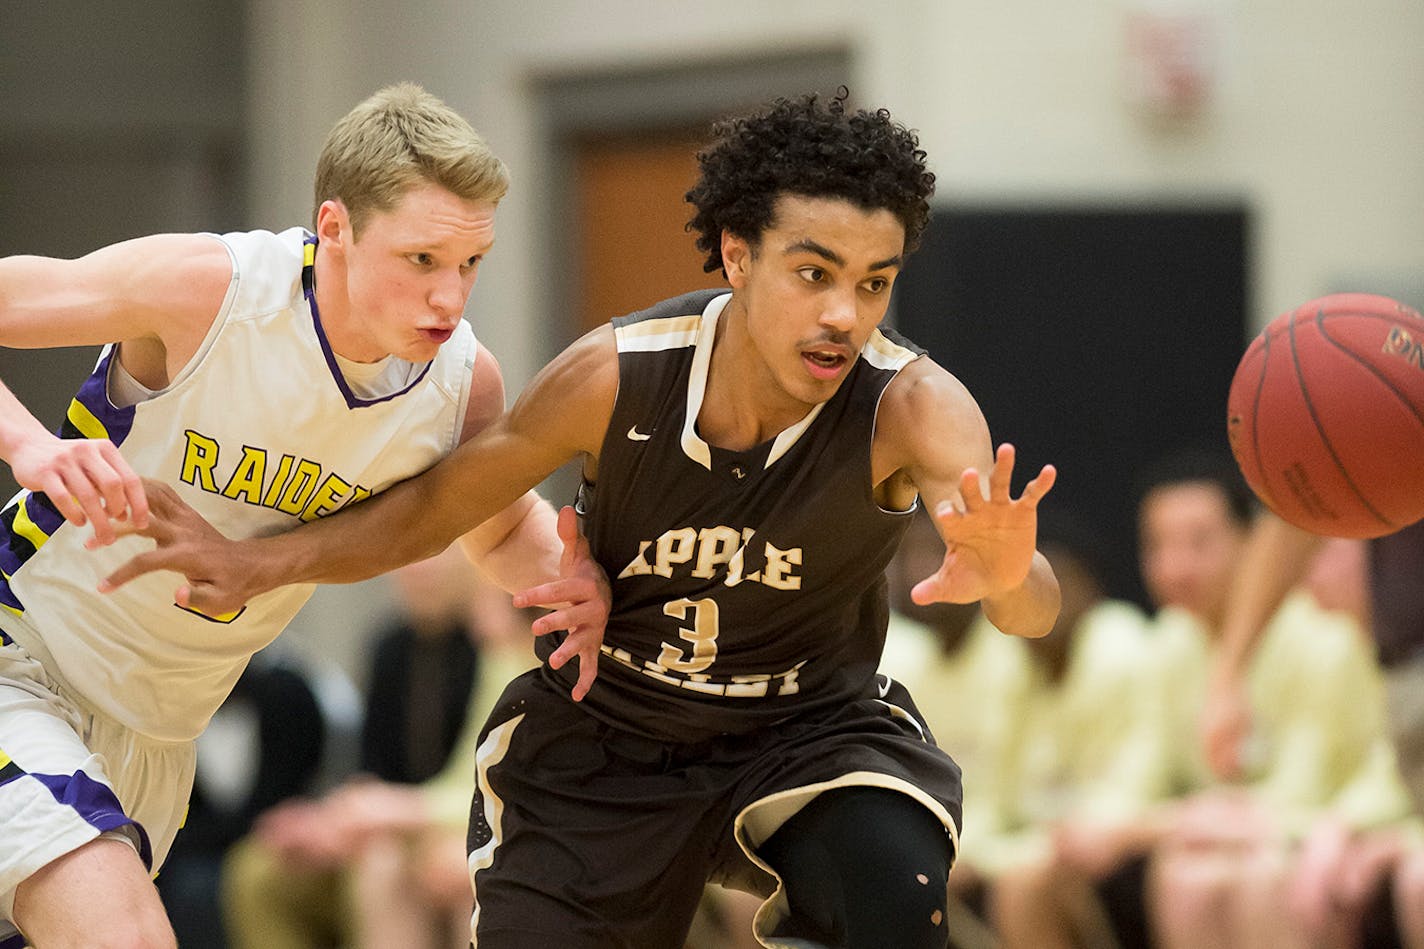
x: 26, y: 528
x: 650, y: 336
x: 84, y: 420
x: 881, y: 353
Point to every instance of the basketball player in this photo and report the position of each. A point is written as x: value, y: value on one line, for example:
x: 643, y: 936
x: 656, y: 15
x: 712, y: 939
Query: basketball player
x: 273, y: 379
x: 751, y: 459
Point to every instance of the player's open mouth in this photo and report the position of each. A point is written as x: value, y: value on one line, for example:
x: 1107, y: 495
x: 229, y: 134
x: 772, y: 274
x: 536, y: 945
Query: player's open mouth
x: 823, y: 365
x: 437, y: 335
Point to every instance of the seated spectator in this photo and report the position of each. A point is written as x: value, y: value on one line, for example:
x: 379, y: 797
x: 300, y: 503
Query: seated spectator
x: 1047, y: 731
x: 1319, y: 747
x: 380, y: 861
x: 423, y: 667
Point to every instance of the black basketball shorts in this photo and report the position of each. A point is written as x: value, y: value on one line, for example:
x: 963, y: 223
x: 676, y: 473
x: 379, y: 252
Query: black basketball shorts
x: 585, y: 835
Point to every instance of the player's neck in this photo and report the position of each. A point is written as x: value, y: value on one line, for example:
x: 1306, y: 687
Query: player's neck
x: 338, y: 322
x: 743, y: 406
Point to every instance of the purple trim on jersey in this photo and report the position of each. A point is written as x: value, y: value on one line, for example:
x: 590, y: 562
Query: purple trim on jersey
x: 9, y: 560
x: 94, y: 396
x: 42, y: 513
x: 97, y: 804
x: 353, y: 401
x: 8, y: 597
x: 13, y: 942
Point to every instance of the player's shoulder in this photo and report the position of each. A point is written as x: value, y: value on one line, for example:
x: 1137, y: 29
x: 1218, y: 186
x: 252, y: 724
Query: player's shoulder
x: 923, y: 397
x: 251, y: 252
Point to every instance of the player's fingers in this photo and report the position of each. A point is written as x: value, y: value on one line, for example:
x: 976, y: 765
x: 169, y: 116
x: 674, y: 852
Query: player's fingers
x: 75, y: 484
x: 125, y: 528
x: 52, y: 486
x: 207, y: 599
x: 1034, y: 491
x: 971, y: 490
x: 108, y: 480
x: 588, y: 671
x: 135, y: 566
x: 104, y: 534
x: 565, y: 590
x: 550, y: 623
x: 929, y: 590
x: 567, y: 526
x: 1002, y: 475
x: 133, y: 499
x: 588, y: 615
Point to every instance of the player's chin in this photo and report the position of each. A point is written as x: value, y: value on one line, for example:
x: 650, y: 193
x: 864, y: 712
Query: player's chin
x: 422, y: 349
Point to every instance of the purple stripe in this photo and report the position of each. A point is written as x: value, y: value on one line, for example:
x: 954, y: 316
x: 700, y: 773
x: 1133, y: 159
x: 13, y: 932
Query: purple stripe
x: 13, y: 942
x: 94, y: 396
x: 8, y: 597
x: 95, y: 803
x: 44, y: 514
x: 9, y: 560
x: 353, y: 401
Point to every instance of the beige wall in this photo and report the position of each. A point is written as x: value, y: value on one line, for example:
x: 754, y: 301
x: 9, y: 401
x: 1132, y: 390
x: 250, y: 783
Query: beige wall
x: 1317, y: 121
x: 1316, y: 118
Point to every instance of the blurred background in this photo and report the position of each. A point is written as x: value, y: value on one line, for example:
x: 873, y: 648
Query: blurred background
x: 1128, y: 189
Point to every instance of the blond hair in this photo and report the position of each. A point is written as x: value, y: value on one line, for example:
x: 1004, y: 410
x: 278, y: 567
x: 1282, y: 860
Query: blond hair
x: 400, y: 137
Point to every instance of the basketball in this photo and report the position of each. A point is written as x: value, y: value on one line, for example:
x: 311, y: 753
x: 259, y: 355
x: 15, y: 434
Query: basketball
x: 1326, y: 416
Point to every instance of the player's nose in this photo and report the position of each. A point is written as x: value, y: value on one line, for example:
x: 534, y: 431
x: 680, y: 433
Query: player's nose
x: 839, y: 312
x: 447, y: 293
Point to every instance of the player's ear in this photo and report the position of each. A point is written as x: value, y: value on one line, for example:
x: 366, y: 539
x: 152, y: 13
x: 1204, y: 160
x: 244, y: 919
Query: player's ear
x: 333, y: 223
x: 736, y: 256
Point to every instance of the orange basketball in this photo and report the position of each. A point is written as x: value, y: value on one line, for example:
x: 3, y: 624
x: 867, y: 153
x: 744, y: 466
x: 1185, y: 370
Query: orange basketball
x: 1326, y: 415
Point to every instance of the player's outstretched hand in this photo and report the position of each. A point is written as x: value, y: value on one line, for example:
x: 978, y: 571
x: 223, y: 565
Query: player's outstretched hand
x: 989, y: 543
x: 86, y: 479
x: 580, y: 600
x: 1225, y: 725
x: 213, y: 566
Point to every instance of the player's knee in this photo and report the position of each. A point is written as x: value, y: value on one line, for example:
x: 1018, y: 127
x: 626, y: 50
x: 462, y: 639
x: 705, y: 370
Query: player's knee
x: 864, y: 867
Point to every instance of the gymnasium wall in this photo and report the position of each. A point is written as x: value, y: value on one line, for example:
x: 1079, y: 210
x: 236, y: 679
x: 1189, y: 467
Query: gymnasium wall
x: 1314, y: 117
x: 1313, y: 122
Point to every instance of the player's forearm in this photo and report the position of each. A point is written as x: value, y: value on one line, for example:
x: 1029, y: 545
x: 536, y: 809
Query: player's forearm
x: 519, y: 548
x: 1276, y: 559
x: 1030, y: 609
x: 397, y: 527
x: 18, y: 427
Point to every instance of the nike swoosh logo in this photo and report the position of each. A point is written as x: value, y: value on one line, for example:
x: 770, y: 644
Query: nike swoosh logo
x: 637, y: 436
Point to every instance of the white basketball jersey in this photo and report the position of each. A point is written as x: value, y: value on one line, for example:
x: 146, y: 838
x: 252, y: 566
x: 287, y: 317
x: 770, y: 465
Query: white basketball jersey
x: 260, y: 432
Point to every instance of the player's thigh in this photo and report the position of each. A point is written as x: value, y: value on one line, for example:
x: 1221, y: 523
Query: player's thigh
x: 96, y: 896
x: 581, y: 836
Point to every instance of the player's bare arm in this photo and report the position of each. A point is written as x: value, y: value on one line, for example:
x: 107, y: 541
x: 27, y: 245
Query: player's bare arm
x: 155, y: 295
x: 932, y: 439
x: 1277, y: 557
x: 563, y: 413
x: 536, y: 554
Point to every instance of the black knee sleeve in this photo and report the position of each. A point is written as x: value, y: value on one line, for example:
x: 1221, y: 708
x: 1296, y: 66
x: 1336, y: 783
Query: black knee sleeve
x: 864, y: 868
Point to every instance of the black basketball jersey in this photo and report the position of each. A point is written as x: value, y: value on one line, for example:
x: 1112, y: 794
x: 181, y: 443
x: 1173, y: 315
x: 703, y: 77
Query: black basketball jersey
x: 748, y: 586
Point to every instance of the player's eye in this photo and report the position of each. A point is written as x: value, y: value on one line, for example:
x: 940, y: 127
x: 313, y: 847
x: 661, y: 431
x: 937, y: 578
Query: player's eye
x: 877, y: 284
x: 812, y: 274
x: 421, y: 259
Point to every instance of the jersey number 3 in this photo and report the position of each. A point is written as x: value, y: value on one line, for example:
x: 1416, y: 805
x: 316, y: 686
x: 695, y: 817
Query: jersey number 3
x: 702, y: 636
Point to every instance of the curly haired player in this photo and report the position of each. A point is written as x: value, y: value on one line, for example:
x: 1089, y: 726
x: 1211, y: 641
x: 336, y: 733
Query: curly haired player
x: 751, y: 459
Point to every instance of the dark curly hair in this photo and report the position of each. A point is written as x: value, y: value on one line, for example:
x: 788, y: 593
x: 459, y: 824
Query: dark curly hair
x: 801, y: 146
